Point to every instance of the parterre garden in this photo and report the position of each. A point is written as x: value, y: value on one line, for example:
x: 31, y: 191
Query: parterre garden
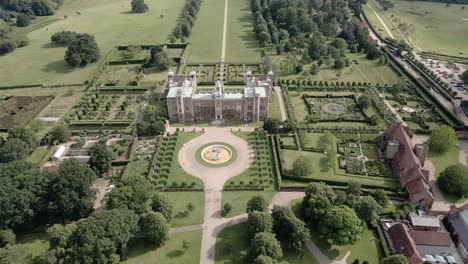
x: 236, y: 72
x: 17, y: 111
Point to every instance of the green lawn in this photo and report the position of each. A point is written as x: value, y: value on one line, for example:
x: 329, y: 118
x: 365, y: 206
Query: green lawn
x: 233, y: 241
x: 180, y: 200
x: 41, y: 154
x: 367, y: 248
x: 137, y: 168
x: 441, y: 162
x: 367, y: 8
x: 177, y: 173
x: 108, y: 20
x: 274, y: 107
x: 171, y: 252
x: 239, y: 199
x: 207, y: 33
x: 241, y: 43
x: 436, y: 27
x: 29, y: 247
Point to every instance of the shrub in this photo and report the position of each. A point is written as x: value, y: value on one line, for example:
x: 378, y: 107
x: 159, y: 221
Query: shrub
x: 22, y: 20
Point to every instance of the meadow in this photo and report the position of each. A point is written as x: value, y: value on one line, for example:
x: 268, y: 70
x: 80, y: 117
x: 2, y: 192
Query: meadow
x: 373, y: 18
x: 437, y: 27
x: 108, y: 20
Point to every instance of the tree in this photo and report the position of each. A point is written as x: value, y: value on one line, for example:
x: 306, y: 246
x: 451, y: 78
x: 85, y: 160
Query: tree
x: 373, y: 52
x: 7, y: 238
x: 102, y: 237
x: 368, y: 210
x: 25, y: 134
x: 133, y: 195
x: 69, y: 192
x: 100, y: 158
x: 139, y: 6
x: 264, y: 260
x: 395, y: 259
x: 14, y: 149
x: 21, y: 191
x: 364, y: 101
x: 161, y: 204
x: 354, y: 188
x: 464, y: 77
x: 340, y: 225
x: 302, y: 166
x: 60, y: 133
x: 82, y: 51
x: 42, y: 8
x: 63, y: 37
x: 442, y: 139
x: 259, y: 222
x: 272, y: 125
x: 22, y: 20
x: 264, y: 244
x: 155, y: 228
x: 318, y: 199
x: 339, y: 63
x: 289, y: 229
x: 381, y: 197
x: 454, y: 180
x: 227, y: 207
x: 256, y: 203
x: 161, y: 60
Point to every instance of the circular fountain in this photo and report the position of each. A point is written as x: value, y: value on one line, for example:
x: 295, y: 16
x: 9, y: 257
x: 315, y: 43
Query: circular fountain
x: 216, y: 154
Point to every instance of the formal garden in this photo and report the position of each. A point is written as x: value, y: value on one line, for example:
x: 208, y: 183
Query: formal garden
x: 236, y: 72
x: 206, y: 73
x: 17, y: 111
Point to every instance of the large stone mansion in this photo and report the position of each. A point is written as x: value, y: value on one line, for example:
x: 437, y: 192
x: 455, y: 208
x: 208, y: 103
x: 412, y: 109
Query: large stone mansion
x: 186, y: 103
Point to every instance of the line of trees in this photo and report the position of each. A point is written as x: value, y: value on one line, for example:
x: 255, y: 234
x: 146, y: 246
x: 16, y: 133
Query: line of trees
x: 186, y: 20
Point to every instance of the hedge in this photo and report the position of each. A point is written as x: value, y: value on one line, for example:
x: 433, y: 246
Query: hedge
x: 383, y: 241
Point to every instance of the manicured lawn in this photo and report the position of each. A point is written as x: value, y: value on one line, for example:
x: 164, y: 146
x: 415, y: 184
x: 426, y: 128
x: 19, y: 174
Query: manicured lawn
x: 180, y: 200
x: 241, y: 43
x: 41, y: 155
x: 137, y: 168
x: 207, y: 33
x: 171, y: 252
x: 233, y: 241
x: 274, y: 107
x: 108, y: 20
x: 441, y: 162
x: 367, y: 8
x: 177, y: 173
x: 436, y: 27
x: 239, y: 199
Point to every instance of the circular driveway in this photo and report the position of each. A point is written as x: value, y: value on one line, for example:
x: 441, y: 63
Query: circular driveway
x: 215, y: 177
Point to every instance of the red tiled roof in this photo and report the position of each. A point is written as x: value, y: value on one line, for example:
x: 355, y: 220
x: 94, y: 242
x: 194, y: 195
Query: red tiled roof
x: 404, y: 243
x: 430, y: 238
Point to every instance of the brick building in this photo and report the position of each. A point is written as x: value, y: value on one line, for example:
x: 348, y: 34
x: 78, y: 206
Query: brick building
x: 185, y: 102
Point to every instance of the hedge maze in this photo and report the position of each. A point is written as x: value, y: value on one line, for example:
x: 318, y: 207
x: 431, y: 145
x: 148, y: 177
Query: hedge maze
x: 19, y: 110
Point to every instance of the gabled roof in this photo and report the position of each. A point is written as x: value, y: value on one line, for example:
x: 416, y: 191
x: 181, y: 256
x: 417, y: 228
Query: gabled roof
x: 458, y: 218
x: 404, y: 243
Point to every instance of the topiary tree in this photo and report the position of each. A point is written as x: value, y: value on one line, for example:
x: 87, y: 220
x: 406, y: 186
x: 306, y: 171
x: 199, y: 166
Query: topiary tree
x: 302, y: 166
x: 161, y: 204
x: 155, y: 228
x: 454, y: 180
x: 139, y: 6
x: 264, y: 244
x: 256, y: 203
x: 442, y: 139
x: 82, y: 51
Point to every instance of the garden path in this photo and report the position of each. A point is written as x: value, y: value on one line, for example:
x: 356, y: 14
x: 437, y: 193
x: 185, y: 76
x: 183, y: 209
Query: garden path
x: 281, y: 102
x: 223, y: 49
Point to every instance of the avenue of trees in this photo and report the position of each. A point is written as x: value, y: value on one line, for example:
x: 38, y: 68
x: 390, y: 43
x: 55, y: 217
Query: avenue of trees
x: 186, y: 20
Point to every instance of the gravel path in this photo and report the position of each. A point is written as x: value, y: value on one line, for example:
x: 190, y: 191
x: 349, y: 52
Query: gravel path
x: 279, y: 95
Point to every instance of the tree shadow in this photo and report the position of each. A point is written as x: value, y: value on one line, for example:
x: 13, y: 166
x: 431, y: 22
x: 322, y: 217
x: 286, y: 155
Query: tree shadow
x: 59, y: 66
x: 51, y: 45
x: 128, y: 13
x: 175, y: 253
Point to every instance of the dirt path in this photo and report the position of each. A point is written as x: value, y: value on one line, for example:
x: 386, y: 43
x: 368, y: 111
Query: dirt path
x: 223, y: 50
x: 279, y: 95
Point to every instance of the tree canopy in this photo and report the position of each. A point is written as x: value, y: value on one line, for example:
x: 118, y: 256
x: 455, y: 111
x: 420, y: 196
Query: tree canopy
x: 340, y: 225
x: 132, y: 195
x: 318, y: 199
x: 454, y: 180
x: 272, y: 125
x: 82, y: 51
x: 289, y: 229
x: 139, y: 6
x: 100, y: 158
x: 302, y: 166
x: 259, y: 222
x: 256, y: 203
x: 160, y: 203
x: 155, y: 227
x: 264, y: 244
x: 442, y: 139
x: 60, y: 133
x: 395, y: 259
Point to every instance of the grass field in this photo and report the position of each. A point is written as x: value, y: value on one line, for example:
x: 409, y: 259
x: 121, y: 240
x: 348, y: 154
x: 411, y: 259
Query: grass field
x: 373, y: 19
x: 274, y: 108
x: 108, y: 20
x: 180, y: 200
x: 441, y: 162
x: 233, y: 241
x: 207, y: 33
x: 177, y: 173
x: 239, y: 199
x: 241, y: 43
x: 171, y: 252
x: 437, y: 27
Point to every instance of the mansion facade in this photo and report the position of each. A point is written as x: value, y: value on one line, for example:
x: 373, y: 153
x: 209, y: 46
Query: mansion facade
x: 186, y: 103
